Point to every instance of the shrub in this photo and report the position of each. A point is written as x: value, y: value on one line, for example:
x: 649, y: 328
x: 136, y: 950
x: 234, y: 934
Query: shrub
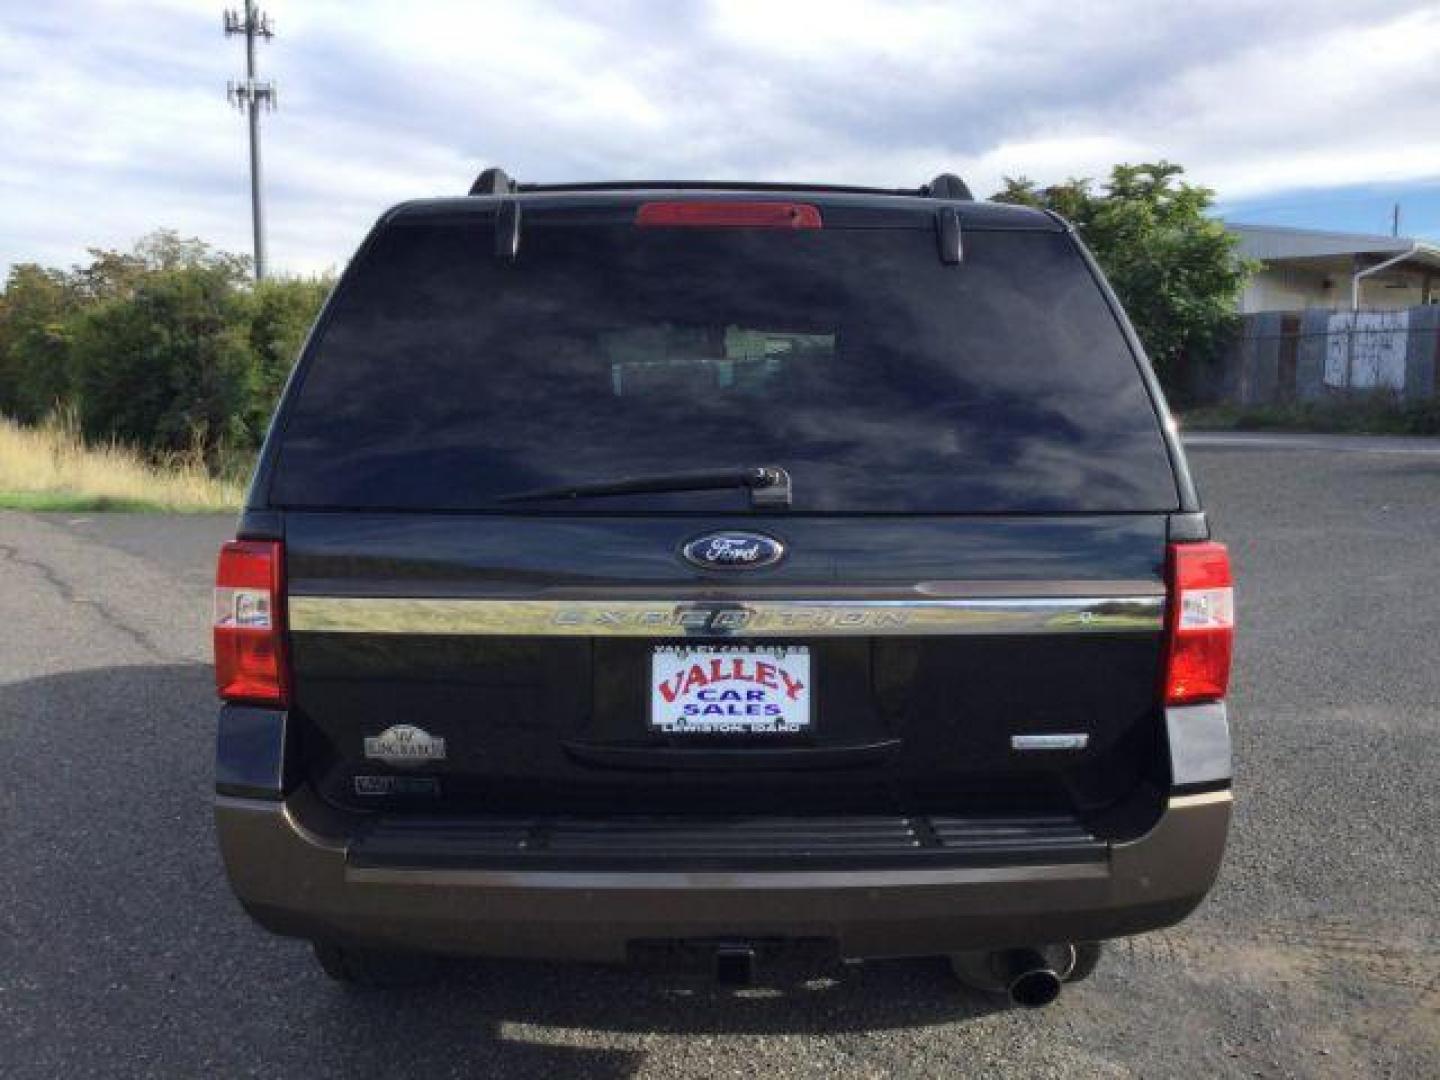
x: 168, y: 347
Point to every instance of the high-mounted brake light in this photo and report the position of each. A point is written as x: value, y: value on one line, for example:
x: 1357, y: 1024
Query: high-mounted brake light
x: 728, y: 215
x: 249, y: 623
x: 1201, y: 624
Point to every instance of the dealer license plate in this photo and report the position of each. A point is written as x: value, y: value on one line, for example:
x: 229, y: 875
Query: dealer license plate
x: 730, y: 689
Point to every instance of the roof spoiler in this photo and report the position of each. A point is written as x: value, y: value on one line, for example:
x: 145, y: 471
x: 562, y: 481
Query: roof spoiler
x: 495, y: 181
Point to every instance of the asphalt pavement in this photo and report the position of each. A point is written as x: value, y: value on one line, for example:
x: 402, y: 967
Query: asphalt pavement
x: 122, y: 952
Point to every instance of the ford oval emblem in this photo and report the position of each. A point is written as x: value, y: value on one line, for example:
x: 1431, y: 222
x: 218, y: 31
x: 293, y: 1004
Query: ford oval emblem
x: 733, y: 551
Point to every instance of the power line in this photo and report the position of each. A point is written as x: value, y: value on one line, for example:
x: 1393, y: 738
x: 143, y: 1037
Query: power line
x: 250, y: 96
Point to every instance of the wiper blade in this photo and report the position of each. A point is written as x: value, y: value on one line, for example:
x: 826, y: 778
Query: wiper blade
x: 769, y: 486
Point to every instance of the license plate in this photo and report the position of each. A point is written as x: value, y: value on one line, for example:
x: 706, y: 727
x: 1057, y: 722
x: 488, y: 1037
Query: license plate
x: 730, y: 689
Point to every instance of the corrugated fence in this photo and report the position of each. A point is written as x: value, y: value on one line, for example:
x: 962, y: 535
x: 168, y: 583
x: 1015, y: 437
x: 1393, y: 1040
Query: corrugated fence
x: 1285, y: 356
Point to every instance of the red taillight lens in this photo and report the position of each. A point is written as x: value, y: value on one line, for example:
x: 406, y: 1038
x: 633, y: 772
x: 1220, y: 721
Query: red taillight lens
x: 729, y: 215
x: 249, y: 623
x: 1201, y: 623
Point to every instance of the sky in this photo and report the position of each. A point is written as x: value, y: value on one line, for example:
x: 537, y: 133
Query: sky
x: 114, y: 122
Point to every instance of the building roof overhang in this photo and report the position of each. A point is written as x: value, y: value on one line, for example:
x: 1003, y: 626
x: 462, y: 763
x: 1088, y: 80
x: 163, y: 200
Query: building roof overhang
x: 1275, y: 244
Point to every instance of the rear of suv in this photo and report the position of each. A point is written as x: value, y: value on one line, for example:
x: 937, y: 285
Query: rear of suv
x: 713, y: 570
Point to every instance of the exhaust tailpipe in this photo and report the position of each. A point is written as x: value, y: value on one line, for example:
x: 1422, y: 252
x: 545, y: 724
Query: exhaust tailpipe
x: 1027, y: 977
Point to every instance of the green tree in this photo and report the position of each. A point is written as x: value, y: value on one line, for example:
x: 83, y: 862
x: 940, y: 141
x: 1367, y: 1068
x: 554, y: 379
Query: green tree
x: 281, y: 312
x: 1174, y: 269
x: 169, y: 366
x: 35, y: 339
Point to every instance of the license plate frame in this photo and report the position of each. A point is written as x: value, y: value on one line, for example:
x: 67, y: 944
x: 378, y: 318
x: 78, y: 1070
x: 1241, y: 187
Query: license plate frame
x: 731, y: 700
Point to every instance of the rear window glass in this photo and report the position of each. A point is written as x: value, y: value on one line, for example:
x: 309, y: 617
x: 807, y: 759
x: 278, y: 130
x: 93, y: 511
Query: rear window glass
x: 881, y: 378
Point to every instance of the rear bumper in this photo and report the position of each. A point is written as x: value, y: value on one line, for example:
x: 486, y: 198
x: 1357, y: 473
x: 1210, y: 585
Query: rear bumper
x: 291, y: 872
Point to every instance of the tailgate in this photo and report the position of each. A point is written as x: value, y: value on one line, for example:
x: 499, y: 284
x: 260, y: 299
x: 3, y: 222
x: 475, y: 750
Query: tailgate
x: 508, y: 663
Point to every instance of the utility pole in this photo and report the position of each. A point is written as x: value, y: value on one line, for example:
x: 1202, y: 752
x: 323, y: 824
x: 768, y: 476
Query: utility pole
x: 1395, y: 221
x: 249, y: 97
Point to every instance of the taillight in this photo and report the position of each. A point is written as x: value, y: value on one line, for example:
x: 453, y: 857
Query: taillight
x: 249, y: 623
x: 1201, y: 623
x: 729, y: 215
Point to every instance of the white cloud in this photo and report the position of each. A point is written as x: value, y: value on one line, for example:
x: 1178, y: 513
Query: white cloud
x: 114, y: 119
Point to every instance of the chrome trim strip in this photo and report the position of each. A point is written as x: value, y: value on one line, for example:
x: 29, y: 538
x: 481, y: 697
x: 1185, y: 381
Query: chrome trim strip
x: 724, y: 618
x: 1076, y: 741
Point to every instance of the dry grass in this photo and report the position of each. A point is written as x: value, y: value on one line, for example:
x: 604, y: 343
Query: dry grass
x: 51, y: 468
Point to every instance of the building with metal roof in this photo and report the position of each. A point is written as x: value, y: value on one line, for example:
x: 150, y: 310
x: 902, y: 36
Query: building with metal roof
x: 1312, y: 268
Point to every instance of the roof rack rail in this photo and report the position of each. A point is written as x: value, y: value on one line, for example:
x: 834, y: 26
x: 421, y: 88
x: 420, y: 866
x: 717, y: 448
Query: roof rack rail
x: 497, y: 182
x: 711, y: 185
x: 948, y: 186
x: 493, y: 182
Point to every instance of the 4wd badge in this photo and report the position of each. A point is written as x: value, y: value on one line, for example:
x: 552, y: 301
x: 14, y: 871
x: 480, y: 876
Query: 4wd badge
x: 404, y: 744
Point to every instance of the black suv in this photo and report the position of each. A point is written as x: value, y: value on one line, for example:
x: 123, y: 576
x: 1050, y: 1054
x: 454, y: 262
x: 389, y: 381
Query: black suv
x: 708, y: 570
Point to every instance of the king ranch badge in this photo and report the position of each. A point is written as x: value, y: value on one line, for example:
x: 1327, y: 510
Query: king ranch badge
x: 730, y: 689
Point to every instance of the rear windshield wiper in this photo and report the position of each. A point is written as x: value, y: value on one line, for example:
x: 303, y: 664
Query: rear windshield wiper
x: 769, y: 486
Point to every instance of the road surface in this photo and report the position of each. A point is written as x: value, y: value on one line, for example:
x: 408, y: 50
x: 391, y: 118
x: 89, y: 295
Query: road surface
x: 123, y: 954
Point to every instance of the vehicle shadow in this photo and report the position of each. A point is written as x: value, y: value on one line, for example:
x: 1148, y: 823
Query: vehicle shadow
x: 552, y: 1016
x: 135, y: 950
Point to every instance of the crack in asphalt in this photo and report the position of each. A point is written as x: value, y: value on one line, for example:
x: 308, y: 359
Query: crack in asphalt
x: 11, y: 553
